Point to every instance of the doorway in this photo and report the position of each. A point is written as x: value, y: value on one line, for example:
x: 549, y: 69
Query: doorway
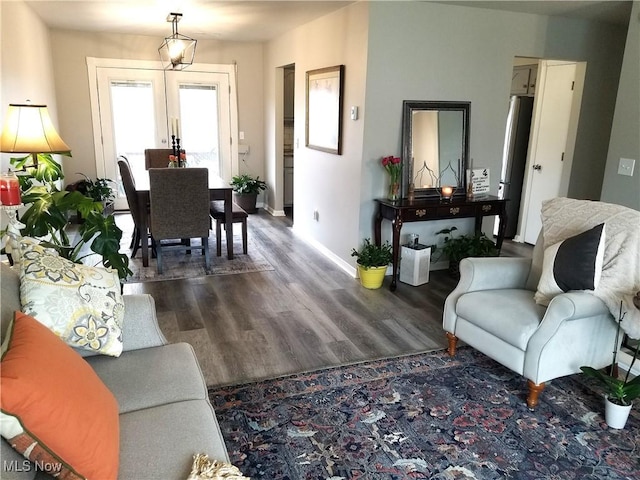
x: 288, y: 97
x: 539, y: 139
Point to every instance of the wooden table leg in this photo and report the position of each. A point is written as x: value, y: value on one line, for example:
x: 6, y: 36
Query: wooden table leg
x: 397, y: 226
x: 143, y: 201
x: 228, y: 222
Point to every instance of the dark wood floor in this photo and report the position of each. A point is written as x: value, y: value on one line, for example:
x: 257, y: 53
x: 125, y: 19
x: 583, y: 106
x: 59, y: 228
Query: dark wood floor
x: 306, y: 314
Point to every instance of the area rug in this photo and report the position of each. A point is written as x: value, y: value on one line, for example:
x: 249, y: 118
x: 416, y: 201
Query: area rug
x: 176, y: 264
x: 423, y: 416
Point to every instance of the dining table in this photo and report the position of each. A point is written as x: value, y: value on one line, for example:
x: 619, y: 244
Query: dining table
x: 219, y: 189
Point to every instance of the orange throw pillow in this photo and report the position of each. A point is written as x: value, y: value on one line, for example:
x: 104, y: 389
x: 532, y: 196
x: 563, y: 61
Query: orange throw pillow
x: 55, y: 409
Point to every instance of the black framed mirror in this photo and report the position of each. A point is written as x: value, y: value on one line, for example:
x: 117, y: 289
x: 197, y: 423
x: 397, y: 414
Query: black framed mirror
x: 435, y: 147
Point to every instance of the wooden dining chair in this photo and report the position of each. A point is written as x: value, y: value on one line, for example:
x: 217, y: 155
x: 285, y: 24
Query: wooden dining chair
x: 129, y: 185
x: 157, y: 157
x: 179, y: 210
x: 239, y: 215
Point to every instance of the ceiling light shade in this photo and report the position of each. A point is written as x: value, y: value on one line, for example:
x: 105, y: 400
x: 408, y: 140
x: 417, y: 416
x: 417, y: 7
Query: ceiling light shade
x: 177, y: 51
x: 28, y: 129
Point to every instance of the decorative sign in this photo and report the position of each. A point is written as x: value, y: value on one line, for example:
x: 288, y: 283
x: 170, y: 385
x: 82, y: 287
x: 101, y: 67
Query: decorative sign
x: 480, y: 179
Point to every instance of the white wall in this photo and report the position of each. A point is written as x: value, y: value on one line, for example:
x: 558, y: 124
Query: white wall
x: 625, y: 134
x: 324, y: 182
x: 70, y: 50
x: 26, y: 68
x: 430, y: 51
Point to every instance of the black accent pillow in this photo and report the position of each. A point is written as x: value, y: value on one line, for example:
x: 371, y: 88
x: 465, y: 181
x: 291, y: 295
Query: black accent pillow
x: 573, y: 264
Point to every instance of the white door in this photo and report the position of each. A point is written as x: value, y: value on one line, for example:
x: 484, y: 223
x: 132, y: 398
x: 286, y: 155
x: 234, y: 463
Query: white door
x: 548, y: 162
x: 132, y: 106
x: 133, y: 116
x: 200, y: 101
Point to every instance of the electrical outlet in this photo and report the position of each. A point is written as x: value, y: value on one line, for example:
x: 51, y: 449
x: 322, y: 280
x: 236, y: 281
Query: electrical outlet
x: 625, y: 167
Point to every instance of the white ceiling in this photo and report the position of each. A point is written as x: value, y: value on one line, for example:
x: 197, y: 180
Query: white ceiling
x: 239, y: 20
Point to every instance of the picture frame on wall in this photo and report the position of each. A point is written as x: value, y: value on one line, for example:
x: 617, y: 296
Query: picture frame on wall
x: 323, y: 128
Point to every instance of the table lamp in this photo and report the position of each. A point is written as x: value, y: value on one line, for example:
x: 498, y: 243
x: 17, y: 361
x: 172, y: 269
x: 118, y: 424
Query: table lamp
x: 27, y: 129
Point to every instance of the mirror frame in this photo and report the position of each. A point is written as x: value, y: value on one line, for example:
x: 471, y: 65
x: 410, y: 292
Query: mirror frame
x: 408, y: 107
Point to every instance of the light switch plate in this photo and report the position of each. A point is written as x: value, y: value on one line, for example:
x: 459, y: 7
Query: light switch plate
x: 626, y: 165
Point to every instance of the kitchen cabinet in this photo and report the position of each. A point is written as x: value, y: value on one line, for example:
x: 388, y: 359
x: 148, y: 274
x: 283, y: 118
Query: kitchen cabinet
x: 523, y: 80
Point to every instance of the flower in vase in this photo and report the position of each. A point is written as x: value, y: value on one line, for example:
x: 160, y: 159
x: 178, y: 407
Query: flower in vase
x: 393, y: 165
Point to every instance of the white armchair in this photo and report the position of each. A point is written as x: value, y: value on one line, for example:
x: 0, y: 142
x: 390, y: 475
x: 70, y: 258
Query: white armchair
x: 493, y: 309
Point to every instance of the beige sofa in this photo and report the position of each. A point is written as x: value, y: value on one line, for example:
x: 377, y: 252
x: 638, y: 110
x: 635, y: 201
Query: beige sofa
x: 165, y: 414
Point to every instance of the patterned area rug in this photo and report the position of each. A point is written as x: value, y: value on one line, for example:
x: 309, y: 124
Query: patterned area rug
x: 423, y: 416
x: 178, y: 265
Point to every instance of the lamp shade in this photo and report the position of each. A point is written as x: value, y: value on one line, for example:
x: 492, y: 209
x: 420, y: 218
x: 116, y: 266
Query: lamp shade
x: 28, y: 129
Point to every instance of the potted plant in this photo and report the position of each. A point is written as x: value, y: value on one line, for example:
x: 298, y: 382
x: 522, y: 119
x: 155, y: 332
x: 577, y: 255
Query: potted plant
x: 457, y: 248
x: 372, y: 263
x: 619, y: 393
x: 100, y: 190
x: 49, y: 209
x: 246, y: 190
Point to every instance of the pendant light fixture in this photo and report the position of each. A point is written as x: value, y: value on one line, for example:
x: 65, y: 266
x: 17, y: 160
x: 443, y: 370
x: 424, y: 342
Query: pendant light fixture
x: 177, y: 51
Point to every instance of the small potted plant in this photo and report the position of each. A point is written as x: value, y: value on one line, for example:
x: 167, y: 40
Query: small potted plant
x: 246, y: 190
x: 99, y: 190
x: 619, y: 393
x: 457, y: 248
x: 372, y: 263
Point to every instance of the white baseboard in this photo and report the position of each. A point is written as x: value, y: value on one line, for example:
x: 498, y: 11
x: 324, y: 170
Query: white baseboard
x: 275, y: 213
x: 350, y: 270
x: 624, y: 362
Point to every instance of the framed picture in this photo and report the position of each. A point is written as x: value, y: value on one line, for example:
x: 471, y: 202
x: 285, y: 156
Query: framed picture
x: 324, y: 109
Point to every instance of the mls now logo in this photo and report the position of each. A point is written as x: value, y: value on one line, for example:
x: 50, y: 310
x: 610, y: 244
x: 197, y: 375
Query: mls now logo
x: 26, y: 466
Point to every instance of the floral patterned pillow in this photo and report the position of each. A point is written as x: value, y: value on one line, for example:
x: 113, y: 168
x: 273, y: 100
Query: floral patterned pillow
x: 81, y: 304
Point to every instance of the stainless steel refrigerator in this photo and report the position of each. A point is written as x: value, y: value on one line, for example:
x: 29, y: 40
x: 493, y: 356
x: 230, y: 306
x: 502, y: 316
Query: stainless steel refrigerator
x: 514, y: 158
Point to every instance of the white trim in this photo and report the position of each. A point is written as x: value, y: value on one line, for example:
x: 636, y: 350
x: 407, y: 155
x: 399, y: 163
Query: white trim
x: 624, y: 362
x: 346, y: 267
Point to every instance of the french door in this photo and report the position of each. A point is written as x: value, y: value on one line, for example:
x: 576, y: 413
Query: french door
x: 133, y: 107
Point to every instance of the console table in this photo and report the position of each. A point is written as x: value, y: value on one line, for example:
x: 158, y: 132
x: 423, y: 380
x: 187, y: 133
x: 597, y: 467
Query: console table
x: 424, y: 210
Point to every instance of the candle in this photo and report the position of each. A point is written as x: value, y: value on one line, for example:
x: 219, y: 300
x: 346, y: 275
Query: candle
x: 9, y: 189
x: 447, y: 192
x: 177, y: 128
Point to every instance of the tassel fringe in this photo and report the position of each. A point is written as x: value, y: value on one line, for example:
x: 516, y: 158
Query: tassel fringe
x: 205, y: 469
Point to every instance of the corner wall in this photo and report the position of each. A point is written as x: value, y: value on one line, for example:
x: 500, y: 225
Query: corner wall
x: 324, y: 182
x: 26, y: 72
x: 431, y: 51
x: 625, y: 134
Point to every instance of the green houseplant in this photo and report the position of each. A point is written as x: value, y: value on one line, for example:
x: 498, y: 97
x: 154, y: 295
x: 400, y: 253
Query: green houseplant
x: 372, y: 263
x: 100, y: 190
x: 463, y: 246
x: 246, y: 189
x: 49, y: 209
x: 621, y: 392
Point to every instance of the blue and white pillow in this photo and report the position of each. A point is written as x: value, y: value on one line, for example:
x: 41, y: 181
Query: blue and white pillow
x: 573, y: 264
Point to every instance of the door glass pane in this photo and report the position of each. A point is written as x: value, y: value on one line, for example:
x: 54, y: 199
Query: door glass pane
x: 133, y: 114
x: 200, y: 136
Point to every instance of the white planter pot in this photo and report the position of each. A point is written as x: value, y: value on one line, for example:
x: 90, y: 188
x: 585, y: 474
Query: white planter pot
x: 616, y: 415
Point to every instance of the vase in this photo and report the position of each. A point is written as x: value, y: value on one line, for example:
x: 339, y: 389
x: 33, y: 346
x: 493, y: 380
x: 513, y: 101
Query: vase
x: 394, y: 191
x: 616, y: 415
x: 371, y: 277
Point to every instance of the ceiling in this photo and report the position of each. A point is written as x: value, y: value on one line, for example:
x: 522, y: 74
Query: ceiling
x: 250, y: 21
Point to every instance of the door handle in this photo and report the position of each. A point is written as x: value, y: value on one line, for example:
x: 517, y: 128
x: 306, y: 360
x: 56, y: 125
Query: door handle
x: 537, y: 167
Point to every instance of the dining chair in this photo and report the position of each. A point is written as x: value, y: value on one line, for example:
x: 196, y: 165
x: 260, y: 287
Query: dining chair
x: 239, y: 215
x: 157, y: 157
x: 179, y: 210
x: 129, y: 185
